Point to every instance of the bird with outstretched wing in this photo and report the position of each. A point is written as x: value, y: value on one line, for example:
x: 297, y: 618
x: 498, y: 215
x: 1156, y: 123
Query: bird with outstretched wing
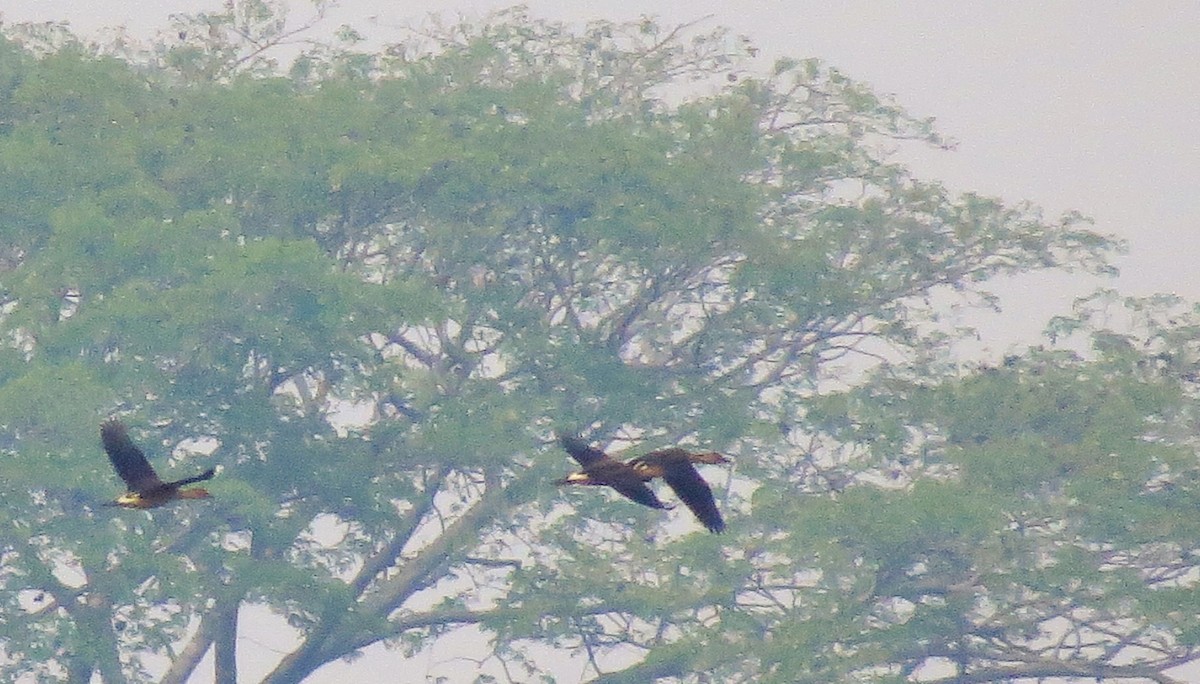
x: 146, y: 489
x: 629, y: 478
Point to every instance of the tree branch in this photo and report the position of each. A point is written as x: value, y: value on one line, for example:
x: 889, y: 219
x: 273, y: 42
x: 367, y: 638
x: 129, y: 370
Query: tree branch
x: 333, y: 638
x: 185, y: 663
x: 386, y: 556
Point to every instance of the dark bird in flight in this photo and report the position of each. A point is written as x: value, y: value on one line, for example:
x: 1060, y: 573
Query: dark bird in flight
x: 146, y: 490
x: 601, y: 469
x: 629, y: 478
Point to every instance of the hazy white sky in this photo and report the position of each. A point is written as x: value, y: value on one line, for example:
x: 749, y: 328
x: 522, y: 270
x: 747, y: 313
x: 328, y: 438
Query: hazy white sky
x: 1068, y: 104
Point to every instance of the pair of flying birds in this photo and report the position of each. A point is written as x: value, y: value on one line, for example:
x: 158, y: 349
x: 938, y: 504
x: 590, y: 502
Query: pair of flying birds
x: 629, y: 478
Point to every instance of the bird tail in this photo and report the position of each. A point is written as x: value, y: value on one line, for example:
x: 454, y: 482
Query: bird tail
x: 206, y: 475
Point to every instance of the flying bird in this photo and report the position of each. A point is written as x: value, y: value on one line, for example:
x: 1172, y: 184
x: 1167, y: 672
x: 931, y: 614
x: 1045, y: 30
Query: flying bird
x: 629, y: 478
x: 146, y: 490
x: 601, y: 469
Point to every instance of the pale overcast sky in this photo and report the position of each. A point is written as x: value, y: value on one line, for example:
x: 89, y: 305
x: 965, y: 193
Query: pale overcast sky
x: 1071, y: 105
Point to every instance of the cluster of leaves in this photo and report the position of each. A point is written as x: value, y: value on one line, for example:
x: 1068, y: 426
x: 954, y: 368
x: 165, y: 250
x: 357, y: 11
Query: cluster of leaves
x: 378, y: 284
x: 1023, y: 521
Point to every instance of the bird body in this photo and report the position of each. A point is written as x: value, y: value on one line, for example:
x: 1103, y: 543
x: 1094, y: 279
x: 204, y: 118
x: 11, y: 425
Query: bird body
x: 674, y: 466
x: 629, y: 478
x: 599, y: 469
x: 146, y: 489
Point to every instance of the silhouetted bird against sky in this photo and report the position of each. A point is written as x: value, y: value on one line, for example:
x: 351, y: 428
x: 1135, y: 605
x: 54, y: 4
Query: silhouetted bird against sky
x: 674, y: 465
x: 146, y: 490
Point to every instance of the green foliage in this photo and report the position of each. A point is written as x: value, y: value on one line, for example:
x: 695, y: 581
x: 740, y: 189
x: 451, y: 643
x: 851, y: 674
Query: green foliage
x: 1036, y: 499
x: 370, y: 291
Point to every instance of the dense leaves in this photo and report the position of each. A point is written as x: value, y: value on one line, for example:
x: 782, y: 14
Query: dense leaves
x: 373, y: 288
x: 1037, y: 523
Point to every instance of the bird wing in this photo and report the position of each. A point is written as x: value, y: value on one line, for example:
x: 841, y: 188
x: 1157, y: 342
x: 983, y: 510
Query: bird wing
x: 695, y: 493
x: 603, y: 470
x: 580, y: 451
x: 206, y: 475
x: 128, y: 460
x: 639, y: 492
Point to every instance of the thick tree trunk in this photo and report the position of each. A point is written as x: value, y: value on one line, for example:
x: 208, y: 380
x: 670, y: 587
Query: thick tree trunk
x: 218, y: 629
x: 225, y: 643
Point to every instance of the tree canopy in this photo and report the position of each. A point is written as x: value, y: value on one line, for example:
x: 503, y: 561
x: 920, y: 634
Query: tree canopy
x: 372, y: 286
